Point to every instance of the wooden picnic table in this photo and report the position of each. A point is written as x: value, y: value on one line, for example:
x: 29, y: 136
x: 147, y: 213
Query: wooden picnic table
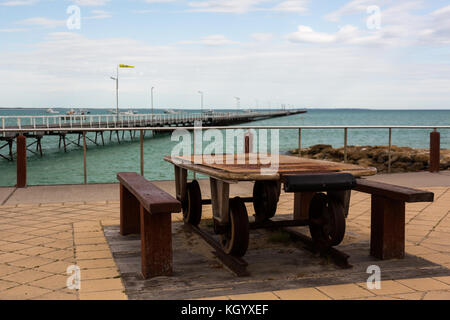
x: 326, y: 222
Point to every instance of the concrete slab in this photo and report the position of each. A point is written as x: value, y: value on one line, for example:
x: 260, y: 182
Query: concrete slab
x: 415, y: 179
x: 66, y: 193
x: 4, y: 194
x: 96, y: 192
x: 110, y: 192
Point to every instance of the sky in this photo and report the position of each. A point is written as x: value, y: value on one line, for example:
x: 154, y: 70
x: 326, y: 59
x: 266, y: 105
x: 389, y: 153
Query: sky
x: 380, y: 54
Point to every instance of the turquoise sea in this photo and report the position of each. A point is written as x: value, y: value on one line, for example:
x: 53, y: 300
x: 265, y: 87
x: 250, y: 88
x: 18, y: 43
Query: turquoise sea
x: 103, y: 162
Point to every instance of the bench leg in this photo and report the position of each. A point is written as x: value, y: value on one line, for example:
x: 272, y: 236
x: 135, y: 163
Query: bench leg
x: 387, y: 239
x: 129, y: 213
x: 156, y: 244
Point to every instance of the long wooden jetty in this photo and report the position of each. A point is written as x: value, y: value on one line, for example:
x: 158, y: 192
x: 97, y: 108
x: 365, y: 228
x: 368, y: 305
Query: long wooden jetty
x: 65, y: 126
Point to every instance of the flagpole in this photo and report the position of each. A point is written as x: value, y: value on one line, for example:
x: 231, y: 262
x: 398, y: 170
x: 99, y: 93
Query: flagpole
x: 117, y: 95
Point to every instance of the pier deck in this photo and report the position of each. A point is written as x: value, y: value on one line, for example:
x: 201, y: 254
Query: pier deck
x: 62, y: 126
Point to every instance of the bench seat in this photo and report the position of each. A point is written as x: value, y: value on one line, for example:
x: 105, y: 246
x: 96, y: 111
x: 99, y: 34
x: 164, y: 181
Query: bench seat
x: 387, y: 236
x: 146, y: 209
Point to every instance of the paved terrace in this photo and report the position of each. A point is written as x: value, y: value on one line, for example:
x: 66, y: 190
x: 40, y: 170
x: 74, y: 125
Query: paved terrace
x: 44, y: 230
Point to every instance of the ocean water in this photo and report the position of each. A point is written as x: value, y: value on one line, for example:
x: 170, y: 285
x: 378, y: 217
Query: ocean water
x: 103, y: 162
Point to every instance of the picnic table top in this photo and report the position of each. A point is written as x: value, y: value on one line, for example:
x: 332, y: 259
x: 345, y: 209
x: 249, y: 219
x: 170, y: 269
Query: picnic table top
x: 253, y: 167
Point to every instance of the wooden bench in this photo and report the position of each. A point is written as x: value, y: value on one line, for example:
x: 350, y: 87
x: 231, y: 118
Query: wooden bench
x: 387, y: 237
x: 146, y: 209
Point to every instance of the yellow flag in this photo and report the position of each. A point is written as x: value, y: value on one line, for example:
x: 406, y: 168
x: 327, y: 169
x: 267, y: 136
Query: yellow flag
x: 125, y: 66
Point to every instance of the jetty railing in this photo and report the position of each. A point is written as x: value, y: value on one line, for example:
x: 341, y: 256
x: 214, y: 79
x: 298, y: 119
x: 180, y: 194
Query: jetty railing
x: 102, y: 121
x: 434, y: 140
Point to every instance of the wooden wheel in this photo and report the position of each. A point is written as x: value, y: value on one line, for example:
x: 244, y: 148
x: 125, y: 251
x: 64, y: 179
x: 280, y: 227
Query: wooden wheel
x: 192, y: 207
x: 235, y: 240
x: 327, y: 220
x: 265, y: 199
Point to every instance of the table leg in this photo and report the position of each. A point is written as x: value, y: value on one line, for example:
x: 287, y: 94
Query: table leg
x: 302, y: 201
x: 180, y: 183
x: 220, y: 198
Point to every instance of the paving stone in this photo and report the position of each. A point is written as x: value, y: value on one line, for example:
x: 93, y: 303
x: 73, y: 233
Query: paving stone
x: 255, y: 296
x: 10, y: 257
x: 31, y: 262
x: 26, y: 276
x: 59, y: 255
x: 443, y: 279
x: 221, y: 298
x: 58, y: 295
x: 437, y: 295
x: 91, y: 247
x: 301, y: 294
x: 89, y: 255
x: 95, y: 264
x: 101, y: 273
x: 101, y: 285
x: 4, y: 285
x: 35, y: 251
x: 58, y: 267
x: 12, y: 247
x: 409, y: 296
x: 23, y: 292
x: 54, y: 282
x: 424, y: 284
x: 106, y: 295
x: 6, y: 269
x: 388, y: 287
x: 345, y: 291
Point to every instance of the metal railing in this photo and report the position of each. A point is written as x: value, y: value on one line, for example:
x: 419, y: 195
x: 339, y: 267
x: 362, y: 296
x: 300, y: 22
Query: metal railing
x: 103, y: 121
x: 346, y: 130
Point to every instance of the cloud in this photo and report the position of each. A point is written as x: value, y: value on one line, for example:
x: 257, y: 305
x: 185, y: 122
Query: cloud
x: 91, y: 2
x: 100, y: 14
x: 13, y: 30
x: 43, y: 22
x: 262, y: 37
x: 17, y: 3
x: 212, y: 40
x: 298, y: 6
x: 245, y: 6
x: 352, y: 7
x: 160, y: 1
x: 65, y: 70
x: 347, y: 34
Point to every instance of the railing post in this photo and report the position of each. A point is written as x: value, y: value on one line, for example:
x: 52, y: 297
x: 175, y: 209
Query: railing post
x: 345, y: 145
x: 21, y: 161
x: 435, y: 151
x: 248, y: 142
x: 299, y: 142
x: 142, y: 151
x: 390, y: 149
x: 84, y: 155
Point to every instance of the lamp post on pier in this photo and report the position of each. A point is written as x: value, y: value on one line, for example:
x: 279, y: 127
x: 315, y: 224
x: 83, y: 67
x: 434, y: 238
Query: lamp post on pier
x: 201, y: 94
x: 152, y: 101
x: 116, y: 79
x: 238, y: 103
